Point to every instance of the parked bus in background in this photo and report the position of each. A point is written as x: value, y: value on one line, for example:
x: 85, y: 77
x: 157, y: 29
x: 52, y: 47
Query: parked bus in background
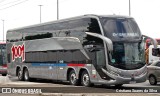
x: 148, y: 42
x: 3, y: 63
x: 150, y: 58
x: 148, y: 51
x: 84, y: 50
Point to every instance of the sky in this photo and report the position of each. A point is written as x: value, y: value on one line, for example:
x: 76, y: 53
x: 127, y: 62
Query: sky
x: 20, y: 13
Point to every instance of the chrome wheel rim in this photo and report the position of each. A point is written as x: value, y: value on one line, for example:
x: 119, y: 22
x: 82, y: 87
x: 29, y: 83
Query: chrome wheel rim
x: 85, y: 79
x: 152, y: 80
x: 73, y: 78
x: 26, y: 76
x: 20, y: 74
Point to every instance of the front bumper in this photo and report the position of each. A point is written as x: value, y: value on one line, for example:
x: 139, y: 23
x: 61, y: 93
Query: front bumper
x: 3, y: 71
x: 123, y: 80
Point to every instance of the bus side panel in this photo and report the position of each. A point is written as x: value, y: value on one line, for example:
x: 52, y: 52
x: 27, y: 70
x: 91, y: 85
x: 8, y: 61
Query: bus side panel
x: 15, y: 56
x: 11, y: 66
x: 11, y: 69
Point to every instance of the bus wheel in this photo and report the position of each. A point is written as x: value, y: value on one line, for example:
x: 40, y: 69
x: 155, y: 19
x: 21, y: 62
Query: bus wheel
x: 152, y: 80
x: 20, y: 75
x: 72, y: 78
x: 26, y: 74
x: 85, y: 79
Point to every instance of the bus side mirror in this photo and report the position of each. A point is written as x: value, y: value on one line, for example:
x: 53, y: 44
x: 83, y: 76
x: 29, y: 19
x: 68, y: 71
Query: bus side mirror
x: 105, y: 39
x: 156, y: 52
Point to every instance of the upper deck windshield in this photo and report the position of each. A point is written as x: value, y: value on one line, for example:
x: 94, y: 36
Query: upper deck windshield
x: 120, y: 29
x: 2, y: 54
x: 128, y: 46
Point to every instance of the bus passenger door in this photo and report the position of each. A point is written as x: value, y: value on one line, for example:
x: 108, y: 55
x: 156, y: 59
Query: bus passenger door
x: 100, y: 60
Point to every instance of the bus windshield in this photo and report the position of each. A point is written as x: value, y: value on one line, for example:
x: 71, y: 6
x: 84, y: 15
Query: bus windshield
x: 128, y: 56
x: 121, y: 29
x: 2, y: 54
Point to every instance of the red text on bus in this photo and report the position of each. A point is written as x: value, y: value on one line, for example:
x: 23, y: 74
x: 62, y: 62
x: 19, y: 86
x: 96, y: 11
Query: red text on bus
x: 18, y: 52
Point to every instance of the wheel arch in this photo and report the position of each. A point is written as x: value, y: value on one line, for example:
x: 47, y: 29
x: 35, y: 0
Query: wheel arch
x: 81, y: 71
x: 68, y: 71
x: 151, y: 75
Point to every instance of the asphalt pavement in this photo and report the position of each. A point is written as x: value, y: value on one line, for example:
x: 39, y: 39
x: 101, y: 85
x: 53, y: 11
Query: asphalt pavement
x: 54, y: 88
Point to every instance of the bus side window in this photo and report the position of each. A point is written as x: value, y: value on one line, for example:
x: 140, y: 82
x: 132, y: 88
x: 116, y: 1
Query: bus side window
x: 156, y: 52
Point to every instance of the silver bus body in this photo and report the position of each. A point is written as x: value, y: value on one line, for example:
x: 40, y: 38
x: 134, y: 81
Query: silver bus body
x: 56, y: 49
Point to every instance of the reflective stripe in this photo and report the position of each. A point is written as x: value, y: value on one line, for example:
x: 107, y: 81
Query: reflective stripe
x: 56, y: 64
x: 75, y: 64
x: 48, y: 64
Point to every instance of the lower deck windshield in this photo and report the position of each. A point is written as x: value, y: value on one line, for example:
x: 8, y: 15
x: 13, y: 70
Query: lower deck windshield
x: 128, y: 56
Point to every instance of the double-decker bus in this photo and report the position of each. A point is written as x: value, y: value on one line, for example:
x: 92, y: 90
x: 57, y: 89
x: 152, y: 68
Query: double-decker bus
x: 85, y: 50
x: 3, y: 63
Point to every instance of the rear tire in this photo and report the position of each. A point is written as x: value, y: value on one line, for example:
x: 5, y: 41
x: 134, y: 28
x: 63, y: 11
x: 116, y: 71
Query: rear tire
x: 85, y: 79
x: 20, y: 75
x: 152, y: 80
x: 26, y: 75
x: 73, y: 79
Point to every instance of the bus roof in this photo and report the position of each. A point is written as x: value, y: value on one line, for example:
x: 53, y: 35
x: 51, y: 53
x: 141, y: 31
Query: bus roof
x: 67, y: 19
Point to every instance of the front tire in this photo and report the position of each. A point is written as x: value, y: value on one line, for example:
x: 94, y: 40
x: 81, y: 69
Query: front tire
x: 20, y: 75
x: 85, y: 79
x: 152, y: 80
x: 72, y: 78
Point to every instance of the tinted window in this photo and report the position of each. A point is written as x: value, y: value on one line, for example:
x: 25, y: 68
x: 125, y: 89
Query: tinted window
x: 60, y: 29
x: 64, y: 56
x: 14, y: 36
x: 61, y: 56
x: 121, y: 29
x: 45, y: 56
x: 128, y: 56
x: 78, y: 57
x: 158, y: 64
x: 38, y: 36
